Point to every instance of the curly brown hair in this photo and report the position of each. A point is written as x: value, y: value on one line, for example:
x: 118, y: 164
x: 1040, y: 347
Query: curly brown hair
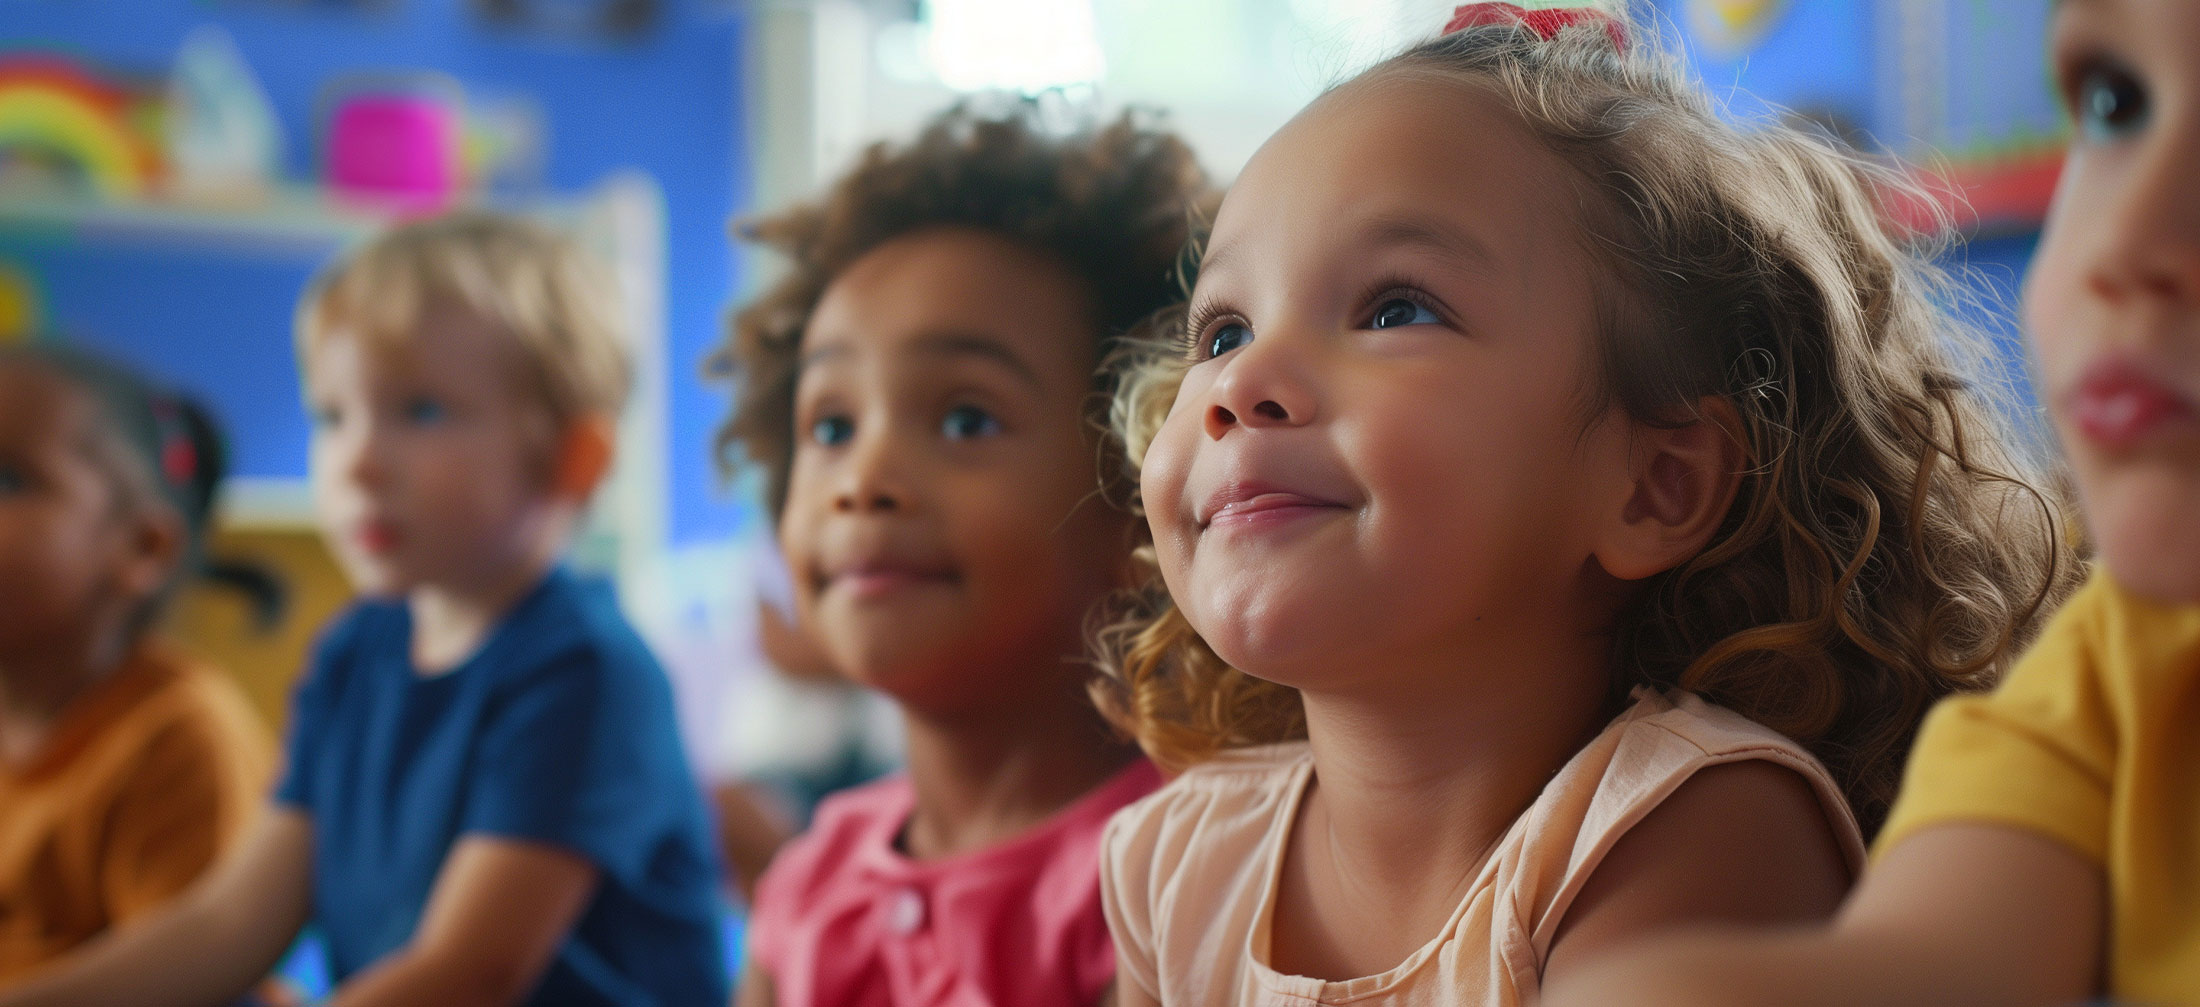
x: 1112, y: 202
x: 1893, y: 539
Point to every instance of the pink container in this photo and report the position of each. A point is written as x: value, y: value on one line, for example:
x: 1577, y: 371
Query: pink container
x: 396, y: 148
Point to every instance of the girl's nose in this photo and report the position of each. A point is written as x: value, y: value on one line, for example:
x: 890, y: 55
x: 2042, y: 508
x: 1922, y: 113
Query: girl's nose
x: 869, y: 481
x: 1263, y: 384
x: 2151, y: 224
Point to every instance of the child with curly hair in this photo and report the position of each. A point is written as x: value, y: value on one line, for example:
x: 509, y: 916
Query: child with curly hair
x: 1564, y: 505
x: 921, y: 393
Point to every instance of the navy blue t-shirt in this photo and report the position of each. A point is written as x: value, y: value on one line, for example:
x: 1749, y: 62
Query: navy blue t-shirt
x: 559, y: 730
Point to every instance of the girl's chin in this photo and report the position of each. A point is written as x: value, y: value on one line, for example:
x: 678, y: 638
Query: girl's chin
x: 2166, y: 578
x: 2154, y: 559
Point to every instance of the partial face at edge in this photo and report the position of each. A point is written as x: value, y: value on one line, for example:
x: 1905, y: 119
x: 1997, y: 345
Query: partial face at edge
x: 66, y: 541
x: 2113, y: 301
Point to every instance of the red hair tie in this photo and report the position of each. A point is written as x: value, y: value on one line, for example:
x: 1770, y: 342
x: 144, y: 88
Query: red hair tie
x: 1546, y: 23
x: 179, y: 458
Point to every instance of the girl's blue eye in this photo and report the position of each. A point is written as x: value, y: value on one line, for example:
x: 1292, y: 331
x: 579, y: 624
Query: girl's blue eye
x: 12, y: 480
x: 423, y: 411
x: 1227, y: 338
x: 1398, y: 311
x: 832, y: 430
x: 2109, y: 103
x: 966, y: 422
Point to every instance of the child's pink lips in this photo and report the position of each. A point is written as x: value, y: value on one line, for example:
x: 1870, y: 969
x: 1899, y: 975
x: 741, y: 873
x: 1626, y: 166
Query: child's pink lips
x: 1253, y: 504
x: 2117, y: 405
x: 878, y: 579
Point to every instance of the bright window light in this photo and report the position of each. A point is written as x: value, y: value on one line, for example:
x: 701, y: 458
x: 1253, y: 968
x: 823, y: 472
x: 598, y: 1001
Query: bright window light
x: 1022, y: 45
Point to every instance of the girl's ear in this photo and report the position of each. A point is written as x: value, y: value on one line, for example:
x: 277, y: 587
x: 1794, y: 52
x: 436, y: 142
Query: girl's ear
x: 1682, y: 481
x: 583, y: 457
x: 150, y: 551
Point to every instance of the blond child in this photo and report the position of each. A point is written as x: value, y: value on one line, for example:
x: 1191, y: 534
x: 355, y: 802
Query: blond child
x: 2046, y: 846
x: 125, y: 768
x: 486, y: 800
x: 1563, y: 506
x: 920, y: 391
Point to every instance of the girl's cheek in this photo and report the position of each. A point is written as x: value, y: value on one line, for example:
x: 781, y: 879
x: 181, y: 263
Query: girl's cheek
x: 1161, y: 478
x: 2052, y: 323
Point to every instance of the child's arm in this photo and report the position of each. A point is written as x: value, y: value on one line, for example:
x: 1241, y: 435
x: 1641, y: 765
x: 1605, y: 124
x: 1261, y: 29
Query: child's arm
x: 498, y: 911
x: 1742, y: 843
x: 210, y: 945
x: 1953, y: 915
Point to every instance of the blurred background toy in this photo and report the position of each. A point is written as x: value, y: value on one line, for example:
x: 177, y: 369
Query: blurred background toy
x: 224, y: 143
x: 395, y: 141
x: 63, y: 128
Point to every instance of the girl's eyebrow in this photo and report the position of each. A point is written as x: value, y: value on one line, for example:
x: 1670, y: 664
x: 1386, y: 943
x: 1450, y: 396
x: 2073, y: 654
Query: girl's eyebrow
x: 946, y: 343
x: 1400, y: 229
x: 1430, y: 235
x: 977, y: 345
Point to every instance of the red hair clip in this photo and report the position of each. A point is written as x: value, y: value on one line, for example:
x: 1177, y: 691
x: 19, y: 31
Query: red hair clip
x: 179, y: 458
x: 1545, y: 22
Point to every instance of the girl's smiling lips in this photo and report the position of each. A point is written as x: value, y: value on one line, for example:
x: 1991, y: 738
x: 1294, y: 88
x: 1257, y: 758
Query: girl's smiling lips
x: 2119, y: 403
x: 878, y: 576
x: 1250, y: 503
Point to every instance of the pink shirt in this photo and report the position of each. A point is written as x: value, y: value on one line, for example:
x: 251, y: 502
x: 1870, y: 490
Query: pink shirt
x: 844, y: 917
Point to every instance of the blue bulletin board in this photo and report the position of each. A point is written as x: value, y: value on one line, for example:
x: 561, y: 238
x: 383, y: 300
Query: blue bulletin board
x: 213, y: 314
x: 210, y: 317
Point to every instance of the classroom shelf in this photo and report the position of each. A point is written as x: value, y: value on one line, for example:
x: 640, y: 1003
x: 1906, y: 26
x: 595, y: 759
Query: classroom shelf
x: 287, y: 221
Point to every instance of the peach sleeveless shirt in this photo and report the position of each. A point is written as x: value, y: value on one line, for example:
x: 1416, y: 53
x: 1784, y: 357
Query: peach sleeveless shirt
x: 1188, y: 874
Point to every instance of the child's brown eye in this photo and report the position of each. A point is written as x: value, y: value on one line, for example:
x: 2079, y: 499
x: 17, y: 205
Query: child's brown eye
x: 832, y: 430
x: 2108, y: 102
x: 1227, y: 338
x: 1398, y: 311
x: 965, y: 422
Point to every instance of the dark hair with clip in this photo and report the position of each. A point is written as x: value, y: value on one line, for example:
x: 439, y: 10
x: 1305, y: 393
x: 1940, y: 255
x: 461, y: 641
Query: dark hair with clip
x: 169, y: 451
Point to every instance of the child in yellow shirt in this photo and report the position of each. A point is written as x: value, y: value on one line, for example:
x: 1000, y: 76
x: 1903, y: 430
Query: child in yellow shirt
x: 2046, y: 845
x: 124, y: 768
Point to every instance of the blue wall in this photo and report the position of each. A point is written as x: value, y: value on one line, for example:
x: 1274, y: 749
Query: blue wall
x: 668, y: 101
x: 1814, y: 56
x: 1819, y: 57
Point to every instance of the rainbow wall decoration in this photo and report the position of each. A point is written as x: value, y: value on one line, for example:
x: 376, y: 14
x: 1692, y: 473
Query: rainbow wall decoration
x: 50, y: 105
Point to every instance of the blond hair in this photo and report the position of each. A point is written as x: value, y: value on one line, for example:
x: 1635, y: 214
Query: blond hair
x: 1892, y: 541
x: 557, y: 303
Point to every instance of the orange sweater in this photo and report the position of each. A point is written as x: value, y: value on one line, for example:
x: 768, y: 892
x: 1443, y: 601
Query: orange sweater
x: 143, y: 781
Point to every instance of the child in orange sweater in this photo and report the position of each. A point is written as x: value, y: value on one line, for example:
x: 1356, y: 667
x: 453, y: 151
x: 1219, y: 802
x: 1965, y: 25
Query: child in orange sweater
x: 124, y: 768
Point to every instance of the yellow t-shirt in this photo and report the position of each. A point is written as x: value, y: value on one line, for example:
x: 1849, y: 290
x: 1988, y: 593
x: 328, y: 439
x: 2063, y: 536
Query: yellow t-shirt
x: 2092, y: 740
x: 142, y: 782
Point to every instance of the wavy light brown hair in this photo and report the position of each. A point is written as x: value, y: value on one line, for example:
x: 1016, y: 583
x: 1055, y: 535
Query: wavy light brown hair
x: 1893, y: 539
x: 1112, y: 202
x: 558, y: 303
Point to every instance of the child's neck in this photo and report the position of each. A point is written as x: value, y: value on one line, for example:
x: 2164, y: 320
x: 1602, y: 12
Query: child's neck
x: 1413, y: 789
x: 986, y: 777
x: 450, y: 622
x: 37, y: 684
